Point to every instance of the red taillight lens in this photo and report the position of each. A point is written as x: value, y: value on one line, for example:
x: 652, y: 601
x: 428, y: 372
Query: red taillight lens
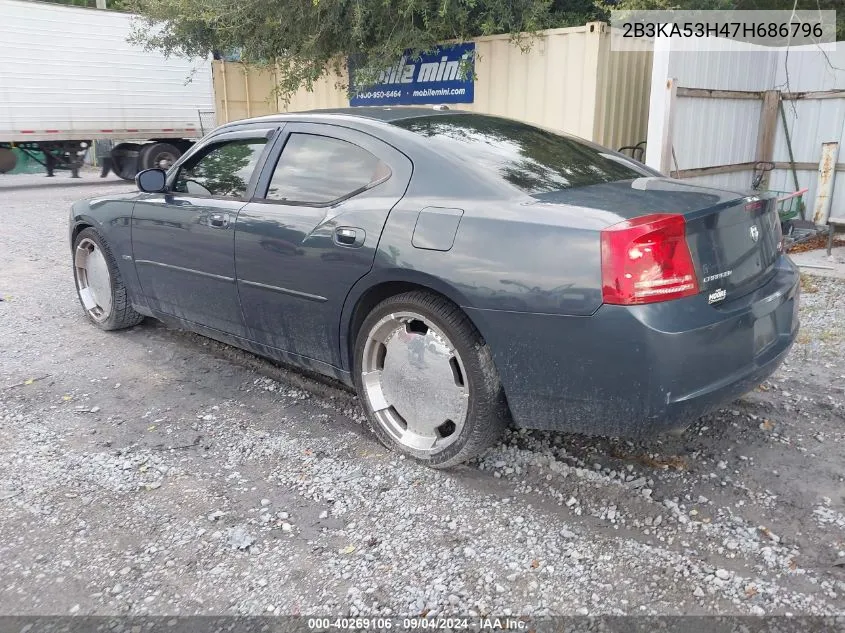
x: 646, y: 260
x: 756, y: 206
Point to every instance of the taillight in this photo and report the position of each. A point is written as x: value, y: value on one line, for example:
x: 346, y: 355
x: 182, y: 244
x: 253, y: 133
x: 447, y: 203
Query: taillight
x: 756, y: 205
x: 646, y: 260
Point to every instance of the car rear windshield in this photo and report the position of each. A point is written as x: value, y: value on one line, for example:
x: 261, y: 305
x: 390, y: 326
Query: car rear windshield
x: 534, y: 160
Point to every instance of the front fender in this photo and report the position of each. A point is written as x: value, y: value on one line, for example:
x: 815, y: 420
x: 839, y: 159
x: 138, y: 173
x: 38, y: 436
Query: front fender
x: 112, y: 218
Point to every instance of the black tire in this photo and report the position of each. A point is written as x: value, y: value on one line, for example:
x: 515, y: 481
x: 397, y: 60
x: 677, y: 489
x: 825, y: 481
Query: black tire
x: 125, y: 160
x: 121, y: 314
x: 158, y: 156
x: 487, y: 413
x: 8, y: 160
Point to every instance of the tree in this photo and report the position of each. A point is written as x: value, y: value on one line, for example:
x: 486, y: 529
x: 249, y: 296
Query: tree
x: 304, y: 38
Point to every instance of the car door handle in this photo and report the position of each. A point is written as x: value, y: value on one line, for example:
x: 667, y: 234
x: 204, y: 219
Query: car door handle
x: 218, y: 220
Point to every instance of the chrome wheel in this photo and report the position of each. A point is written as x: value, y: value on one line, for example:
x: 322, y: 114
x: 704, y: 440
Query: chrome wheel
x: 93, y: 280
x: 414, y: 382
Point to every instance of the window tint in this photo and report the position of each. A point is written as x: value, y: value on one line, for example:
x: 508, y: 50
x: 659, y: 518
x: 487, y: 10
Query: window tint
x: 223, y: 169
x: 534, y: 160
x: 319, y: 169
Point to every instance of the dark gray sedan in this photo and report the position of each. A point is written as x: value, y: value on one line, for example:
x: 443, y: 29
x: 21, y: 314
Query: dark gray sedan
x: 460, y: 271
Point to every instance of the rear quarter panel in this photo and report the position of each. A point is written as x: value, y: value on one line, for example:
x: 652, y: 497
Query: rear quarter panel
x: 513, y: 255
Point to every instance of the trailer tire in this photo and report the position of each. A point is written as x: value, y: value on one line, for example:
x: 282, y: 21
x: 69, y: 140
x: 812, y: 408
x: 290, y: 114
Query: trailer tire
x: 158, y: 156
x: 125, y: 160
x: 8, y: 160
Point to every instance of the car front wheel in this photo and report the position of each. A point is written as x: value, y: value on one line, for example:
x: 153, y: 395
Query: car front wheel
x: 427, y: 380
x: 98, y: 283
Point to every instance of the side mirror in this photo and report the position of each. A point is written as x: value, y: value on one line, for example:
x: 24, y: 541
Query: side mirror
x: 151, y: 180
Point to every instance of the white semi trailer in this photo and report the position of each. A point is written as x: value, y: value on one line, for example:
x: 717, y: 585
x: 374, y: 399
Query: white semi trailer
x: 69, y: 77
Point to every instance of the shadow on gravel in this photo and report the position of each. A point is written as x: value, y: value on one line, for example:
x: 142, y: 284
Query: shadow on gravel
x: 711, y: 435
x: 59, y: 182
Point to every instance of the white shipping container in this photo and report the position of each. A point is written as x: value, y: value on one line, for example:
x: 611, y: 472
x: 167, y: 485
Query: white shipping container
x: 69, y: 73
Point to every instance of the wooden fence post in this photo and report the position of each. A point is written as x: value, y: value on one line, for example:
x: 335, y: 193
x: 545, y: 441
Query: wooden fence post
x: 766, y: 130
x: 224, y: 90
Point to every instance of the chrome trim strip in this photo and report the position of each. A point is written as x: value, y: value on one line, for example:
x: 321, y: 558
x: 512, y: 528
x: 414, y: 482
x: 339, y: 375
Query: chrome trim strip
x: 284, y: 291
x: 185, y: 270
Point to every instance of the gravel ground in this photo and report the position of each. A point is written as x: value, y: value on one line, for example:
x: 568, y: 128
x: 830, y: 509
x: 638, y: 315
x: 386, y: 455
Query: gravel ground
x: 153, y: 471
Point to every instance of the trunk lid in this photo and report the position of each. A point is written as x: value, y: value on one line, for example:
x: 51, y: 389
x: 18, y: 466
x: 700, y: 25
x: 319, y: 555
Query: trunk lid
x: 734, y: 238
x: 735, y: 246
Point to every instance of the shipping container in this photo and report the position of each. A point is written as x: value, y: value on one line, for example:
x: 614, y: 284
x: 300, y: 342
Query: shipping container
x: 568, y: 80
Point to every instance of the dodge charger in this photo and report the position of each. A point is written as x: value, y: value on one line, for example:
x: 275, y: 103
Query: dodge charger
x: 462, y: 272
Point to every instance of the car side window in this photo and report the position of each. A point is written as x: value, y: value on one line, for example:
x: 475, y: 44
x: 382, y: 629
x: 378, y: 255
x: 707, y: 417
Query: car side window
x: 318, y: 170
x: 221, y: 169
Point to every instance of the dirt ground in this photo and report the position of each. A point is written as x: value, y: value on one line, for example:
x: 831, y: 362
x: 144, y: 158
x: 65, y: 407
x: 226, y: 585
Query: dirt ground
x: 153, y: 471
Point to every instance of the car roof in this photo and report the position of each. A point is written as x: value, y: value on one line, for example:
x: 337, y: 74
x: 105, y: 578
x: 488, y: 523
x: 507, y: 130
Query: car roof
x: 389, y: 113
x: 386, y: 114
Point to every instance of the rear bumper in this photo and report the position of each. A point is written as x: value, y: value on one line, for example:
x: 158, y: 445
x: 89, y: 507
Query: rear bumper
x: 636, y: 371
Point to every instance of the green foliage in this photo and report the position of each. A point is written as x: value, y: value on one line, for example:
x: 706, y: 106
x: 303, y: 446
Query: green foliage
x: 305, y: 39
x: 564, y: 13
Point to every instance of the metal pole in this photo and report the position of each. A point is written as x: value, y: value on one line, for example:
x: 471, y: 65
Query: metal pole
x: 667, y: 149
x: 827, y: 177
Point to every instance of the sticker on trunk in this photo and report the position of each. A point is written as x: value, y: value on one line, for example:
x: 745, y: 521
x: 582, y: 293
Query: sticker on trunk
x: 718, y: 295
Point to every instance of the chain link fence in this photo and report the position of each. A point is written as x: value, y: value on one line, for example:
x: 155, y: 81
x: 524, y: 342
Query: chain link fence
x: 208, y: 121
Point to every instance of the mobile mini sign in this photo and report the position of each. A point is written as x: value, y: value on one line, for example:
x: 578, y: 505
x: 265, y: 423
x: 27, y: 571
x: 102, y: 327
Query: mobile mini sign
x: 442, y: 76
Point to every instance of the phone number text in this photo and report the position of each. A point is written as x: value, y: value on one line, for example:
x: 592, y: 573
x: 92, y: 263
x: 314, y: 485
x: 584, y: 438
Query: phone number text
x: 380, y: 94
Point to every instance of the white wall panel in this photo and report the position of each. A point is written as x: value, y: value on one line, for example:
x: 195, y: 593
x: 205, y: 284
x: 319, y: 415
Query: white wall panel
x: 710, y: 132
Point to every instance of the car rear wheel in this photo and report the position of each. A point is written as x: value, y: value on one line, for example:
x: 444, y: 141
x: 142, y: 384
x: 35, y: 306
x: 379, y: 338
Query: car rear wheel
x: 427, y: 380
x: 98, y: 283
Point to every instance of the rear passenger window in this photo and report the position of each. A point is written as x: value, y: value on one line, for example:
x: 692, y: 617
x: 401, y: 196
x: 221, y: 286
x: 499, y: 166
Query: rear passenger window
x: 536, y: 161
x: 320, y: 169
x: 220, y: 170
